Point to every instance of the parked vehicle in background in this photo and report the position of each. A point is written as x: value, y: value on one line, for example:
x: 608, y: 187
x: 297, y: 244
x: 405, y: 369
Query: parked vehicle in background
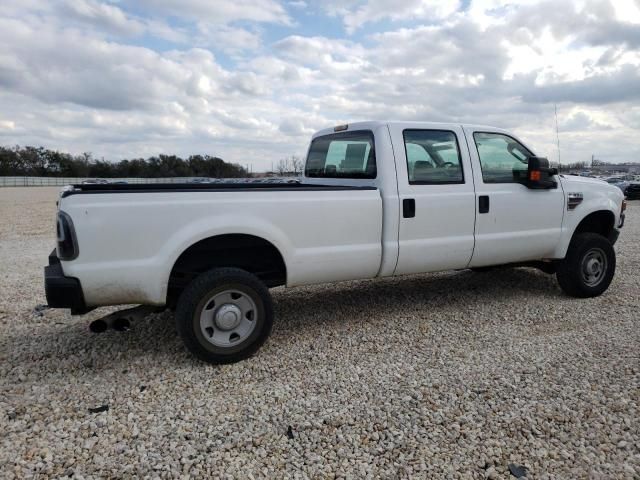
x: 377, y: 199
x: 633, y: 191
x: 94, y: 181
x: 618, y: 182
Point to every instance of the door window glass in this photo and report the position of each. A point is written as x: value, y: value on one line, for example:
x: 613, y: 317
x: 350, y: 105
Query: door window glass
x: 433, y: 157
x: 502, y: 159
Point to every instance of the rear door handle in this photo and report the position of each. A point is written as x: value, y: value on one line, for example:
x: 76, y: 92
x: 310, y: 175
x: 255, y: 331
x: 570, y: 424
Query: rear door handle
x: 408, y: 208
x: 483, y: 204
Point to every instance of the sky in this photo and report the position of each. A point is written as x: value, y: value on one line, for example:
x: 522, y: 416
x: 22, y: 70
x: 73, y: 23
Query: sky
x: 251, y: 80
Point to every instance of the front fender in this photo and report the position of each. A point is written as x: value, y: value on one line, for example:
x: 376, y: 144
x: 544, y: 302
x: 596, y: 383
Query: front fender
x: 595, y: 199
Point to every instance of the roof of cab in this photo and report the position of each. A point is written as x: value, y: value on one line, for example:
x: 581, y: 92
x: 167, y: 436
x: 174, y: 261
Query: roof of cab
x: 373, y: 124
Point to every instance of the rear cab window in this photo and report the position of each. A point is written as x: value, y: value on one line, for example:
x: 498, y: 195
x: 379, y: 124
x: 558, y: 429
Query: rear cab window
x: 342, y: 155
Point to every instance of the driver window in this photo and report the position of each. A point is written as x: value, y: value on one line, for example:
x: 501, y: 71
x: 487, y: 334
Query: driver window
x: 502, y: 159
x: 433, y: 157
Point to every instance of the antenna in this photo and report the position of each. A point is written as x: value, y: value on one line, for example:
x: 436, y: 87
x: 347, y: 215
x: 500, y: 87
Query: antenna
x: 555, y: 107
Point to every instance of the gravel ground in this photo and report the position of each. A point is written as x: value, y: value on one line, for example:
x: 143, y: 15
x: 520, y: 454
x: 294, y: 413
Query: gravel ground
x: 454, y: 375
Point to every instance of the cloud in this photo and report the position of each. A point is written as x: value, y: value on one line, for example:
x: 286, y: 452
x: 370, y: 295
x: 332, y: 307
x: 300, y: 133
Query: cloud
x: 298, y: 4
x: 221, y: 11
x: 357, y: 14
x: 99, y: 74
x: 246, y: 80
x: 225, y: 38
x: 581, y: 121
x: 621, y: 85
x: 101, y: 15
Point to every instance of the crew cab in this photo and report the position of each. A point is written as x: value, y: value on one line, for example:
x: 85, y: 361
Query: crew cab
x: 377, y: 199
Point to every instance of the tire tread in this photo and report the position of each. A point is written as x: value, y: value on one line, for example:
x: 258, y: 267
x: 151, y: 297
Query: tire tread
x: 193, y: 294
x: 568, y: 270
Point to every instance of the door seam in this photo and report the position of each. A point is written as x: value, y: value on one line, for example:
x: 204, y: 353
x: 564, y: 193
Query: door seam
x: 475, y: 195
x: 395, y: 168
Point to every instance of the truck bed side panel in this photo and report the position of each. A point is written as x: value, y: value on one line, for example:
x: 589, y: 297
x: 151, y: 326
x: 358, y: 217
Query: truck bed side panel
x: 129, y: 242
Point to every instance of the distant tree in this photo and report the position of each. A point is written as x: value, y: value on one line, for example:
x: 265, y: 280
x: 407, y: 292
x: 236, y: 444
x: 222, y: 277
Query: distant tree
x: 282, y: 167
x: 10, y: 162
x: 565, y: 167
x: 297, y: 164
x: 289, y: 166
x: 38, y: 161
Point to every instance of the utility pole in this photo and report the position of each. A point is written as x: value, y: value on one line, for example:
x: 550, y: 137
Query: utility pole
x: 555, y: 107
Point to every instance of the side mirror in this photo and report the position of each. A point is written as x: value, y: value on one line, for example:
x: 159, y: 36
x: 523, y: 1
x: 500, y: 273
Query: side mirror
x: 540, y: 175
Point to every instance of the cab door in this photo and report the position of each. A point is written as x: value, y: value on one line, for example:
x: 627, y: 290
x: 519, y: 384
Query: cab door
x: 513, y: 223
x: 437, y: 200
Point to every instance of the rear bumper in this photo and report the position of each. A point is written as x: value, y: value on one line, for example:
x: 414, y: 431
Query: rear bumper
x: 61, y: 291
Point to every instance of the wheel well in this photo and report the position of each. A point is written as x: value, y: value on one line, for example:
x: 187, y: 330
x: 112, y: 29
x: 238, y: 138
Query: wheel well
x: 248, y: 252
x: 600, y: 222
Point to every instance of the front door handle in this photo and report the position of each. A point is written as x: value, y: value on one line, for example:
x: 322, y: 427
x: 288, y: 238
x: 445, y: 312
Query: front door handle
x: 483, y: 204
x: 408, y: 208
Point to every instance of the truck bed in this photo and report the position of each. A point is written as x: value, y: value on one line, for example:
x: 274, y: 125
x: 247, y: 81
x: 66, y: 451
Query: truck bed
x: 128, y: 243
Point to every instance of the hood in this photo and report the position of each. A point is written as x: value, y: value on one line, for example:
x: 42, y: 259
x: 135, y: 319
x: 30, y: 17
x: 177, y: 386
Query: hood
x: 576, y: 179
x: 591, y: 187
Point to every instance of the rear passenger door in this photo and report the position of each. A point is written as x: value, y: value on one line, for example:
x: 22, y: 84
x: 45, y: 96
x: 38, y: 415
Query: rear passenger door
x: 437, y: 198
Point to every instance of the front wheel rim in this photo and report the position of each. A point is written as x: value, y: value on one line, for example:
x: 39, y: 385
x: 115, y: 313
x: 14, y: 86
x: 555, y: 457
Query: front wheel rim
x: 594, y: 267
x: 228, y: 318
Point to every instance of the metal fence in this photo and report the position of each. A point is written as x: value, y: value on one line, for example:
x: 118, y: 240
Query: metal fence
x: 62, y: 181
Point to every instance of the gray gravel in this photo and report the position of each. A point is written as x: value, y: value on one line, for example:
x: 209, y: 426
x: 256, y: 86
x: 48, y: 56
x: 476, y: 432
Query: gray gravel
x: 451, y: 375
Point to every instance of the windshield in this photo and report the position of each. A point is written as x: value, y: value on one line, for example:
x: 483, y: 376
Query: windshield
x: 342, y: 155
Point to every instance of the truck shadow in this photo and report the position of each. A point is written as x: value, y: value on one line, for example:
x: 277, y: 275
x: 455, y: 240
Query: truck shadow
x: 463, y: 290
x: 67, y: 348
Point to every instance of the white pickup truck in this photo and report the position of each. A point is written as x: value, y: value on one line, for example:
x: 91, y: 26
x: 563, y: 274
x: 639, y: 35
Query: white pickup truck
x: 377, y: 199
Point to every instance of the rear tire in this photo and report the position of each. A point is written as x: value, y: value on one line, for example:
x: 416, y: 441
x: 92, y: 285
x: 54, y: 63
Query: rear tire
x: 588, y: 268
x: 224, y: 315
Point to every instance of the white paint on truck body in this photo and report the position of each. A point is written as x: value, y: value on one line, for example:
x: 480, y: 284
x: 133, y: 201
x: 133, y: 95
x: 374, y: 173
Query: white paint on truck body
x: 129, y: 242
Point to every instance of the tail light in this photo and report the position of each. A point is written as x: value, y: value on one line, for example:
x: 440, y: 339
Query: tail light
x: 67, y: 242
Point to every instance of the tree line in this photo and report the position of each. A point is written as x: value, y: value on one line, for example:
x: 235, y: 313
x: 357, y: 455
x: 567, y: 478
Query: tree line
x: 289, y: 166
x: 41, y: 162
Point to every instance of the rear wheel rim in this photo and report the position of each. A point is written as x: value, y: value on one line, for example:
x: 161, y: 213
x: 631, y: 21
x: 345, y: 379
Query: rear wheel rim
x: 594, y: 267
x: 228, y: 318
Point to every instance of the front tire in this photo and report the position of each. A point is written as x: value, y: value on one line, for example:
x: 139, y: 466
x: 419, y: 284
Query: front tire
x: 224, y: 315
x: 588, y: 268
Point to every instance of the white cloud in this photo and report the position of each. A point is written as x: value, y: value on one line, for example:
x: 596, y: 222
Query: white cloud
x: 221, y: 11
x: 226, y: 38
x: 83, y: 75
x: 298, y: 4
x: 101, y: 15
x: 7, y: 125
x: 357, y: 14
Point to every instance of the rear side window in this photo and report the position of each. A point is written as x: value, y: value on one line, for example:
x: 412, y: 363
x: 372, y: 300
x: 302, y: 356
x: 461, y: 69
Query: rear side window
x: 433, y: 157
x: 342, y: 155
